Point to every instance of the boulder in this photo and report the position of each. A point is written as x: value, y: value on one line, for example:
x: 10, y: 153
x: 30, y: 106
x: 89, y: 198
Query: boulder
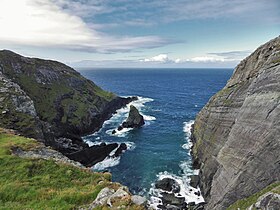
x: 138, y: 200
x: 168, y: 184
x: 194, y: 181
x: 102, y: 197
x: 120, y: 194
x: 120, y: 149
x: 171, y: 199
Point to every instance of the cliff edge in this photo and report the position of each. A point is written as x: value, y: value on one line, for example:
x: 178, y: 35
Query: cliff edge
x: 236, y: 135
x: 52, y: 102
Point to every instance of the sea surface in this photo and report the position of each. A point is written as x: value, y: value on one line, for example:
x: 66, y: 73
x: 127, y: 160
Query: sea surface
x: 169, y: 99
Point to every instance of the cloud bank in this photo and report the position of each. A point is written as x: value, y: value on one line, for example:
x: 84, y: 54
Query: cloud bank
x: 222, y: 60
x: 43, y: 23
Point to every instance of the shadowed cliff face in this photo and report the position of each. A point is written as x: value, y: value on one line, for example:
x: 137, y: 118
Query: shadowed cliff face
x: 237, y: 134
x: 50, y: 101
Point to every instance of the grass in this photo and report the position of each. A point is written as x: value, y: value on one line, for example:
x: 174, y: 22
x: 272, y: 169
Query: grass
x: 246, y: 202
x: 43, y: 184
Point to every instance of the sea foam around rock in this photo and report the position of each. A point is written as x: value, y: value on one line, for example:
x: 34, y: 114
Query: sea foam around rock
x: 190, y: 193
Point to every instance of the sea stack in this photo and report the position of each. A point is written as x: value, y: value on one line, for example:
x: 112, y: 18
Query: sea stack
x: 134, y: 120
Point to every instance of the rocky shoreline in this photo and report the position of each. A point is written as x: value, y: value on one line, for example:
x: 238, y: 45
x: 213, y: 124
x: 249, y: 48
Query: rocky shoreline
x: 55, y: 104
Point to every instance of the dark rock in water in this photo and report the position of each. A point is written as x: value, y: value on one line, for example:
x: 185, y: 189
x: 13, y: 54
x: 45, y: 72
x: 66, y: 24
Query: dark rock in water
x: 114, y: 132
x: 92, y: 155
x: 134, y: 120
x: 171, y: 199
x: 168, y: 184
x: 197, y: 193
x: 121, y: 148
x: 120, y: 128
x: 194, y: 181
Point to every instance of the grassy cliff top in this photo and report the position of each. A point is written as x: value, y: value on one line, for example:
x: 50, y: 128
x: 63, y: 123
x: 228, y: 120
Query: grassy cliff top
x: 44, y: 184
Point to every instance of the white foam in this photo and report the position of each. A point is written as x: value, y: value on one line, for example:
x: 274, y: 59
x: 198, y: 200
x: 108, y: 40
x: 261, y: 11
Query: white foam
x: 149, y: 118
x: 121, y: 133
x: 187, y: 127
x: 187, y: 130
x: 130, y: 145
x: 186, y: 190
x: 106, y: 163
x: 122, y: 114
x: 111, y: 161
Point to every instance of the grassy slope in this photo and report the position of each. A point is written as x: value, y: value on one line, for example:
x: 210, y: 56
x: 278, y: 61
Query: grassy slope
x: 43, y: 184
x: 245, y: 203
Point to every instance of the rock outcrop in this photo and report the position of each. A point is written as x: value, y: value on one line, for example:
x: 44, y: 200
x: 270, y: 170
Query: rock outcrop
x: 236, y: 135
x: 51, y: 102
x: 134, y: 120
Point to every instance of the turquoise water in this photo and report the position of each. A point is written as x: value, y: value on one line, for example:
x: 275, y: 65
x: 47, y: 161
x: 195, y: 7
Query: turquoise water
x: 170, y: 100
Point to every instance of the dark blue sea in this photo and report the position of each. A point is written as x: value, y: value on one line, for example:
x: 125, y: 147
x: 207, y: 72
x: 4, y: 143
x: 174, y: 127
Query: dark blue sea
x: 169, y: 99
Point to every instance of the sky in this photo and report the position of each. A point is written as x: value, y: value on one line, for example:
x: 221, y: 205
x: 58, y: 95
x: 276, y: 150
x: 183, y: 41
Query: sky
x: 139, y: 33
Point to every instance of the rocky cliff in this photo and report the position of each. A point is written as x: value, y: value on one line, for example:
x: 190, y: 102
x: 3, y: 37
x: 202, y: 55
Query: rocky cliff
x: 50, y: 101
x: 236, y: 135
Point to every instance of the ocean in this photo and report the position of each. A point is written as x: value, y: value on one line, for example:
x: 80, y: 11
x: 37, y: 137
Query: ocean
x: 169, y: 99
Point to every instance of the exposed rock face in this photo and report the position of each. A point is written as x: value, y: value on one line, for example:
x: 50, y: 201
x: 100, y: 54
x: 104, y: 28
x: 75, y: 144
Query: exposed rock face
x: 50, y: 101
x: 134, y: 120
x: 236, y: 135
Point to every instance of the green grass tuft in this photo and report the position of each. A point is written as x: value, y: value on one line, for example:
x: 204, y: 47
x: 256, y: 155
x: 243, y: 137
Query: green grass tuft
x: 247, y: 202
x: 43, y: 184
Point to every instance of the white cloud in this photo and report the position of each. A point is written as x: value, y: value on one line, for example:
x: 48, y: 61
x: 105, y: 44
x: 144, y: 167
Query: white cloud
x: 207, y: 59
x: 43, y: 23
x: 162, y: 58
x: 215, y: 58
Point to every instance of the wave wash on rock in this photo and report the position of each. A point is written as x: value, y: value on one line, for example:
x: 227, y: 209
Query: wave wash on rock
x: 236, y: 135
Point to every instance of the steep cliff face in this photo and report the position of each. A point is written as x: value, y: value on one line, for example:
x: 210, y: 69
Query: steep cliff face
x: 237, y: 134
x: 50, y: 101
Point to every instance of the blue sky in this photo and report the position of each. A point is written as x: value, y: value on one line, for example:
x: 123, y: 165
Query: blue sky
x: 138, y: 33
